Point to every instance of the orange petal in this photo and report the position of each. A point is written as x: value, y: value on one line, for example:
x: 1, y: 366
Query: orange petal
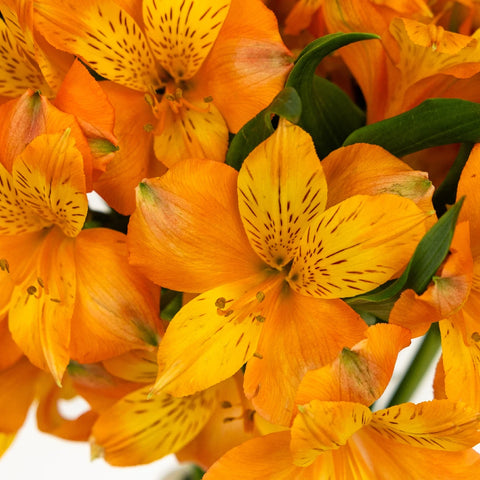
x: 356, y: 246
x: 117, y: 309
x: 10, y: 351
x: 436, y: 425
x: 461, y: 363
x: 371, y: 171
x: 248, y: 58
x: 322, y: 426
x: 300, y: 16
x: 141, y: 428
x: 281, y: 188
x: 50, y: 180
x: 359, y: 374
x: 296, y: 337
x: 469, y: 185
x: 42, y: 305
x: 196, y: 131
x: 6, y: 440
x: 212, y: 336
x: 182, y: 33
x: 231, y: 424
x: 135, y: 366
x: 105, y: 36
x: 20, y: 71
x: 50, y: 420
x: 131, y: 163
x: 188, y: 221
x: 266, y: 457
x: 17, y: 392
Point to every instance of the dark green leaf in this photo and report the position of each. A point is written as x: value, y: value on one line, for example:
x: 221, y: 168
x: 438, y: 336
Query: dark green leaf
x: 427, y: 258
x: 437, y: 121
x: 286, y: 104
x: 328, y: 114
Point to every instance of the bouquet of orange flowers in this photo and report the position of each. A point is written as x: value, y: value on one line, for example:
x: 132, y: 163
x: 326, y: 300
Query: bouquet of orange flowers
x: 294, y: 191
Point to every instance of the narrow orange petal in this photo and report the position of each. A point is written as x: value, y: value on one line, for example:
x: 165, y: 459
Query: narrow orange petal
x: 437, y: 425
x: 248, y: 58
x: 321, y: 426
x: 197, y: 132
x: 104, y: 35
x: 262, y: 458
x: 42, y: 305
x: 117, y: 309
x: 297, y: 337
x: 212, y: 336
x: 50, y: 179
x: 469, y: 185
x: 17, y: 392
x: 134, y: 122
x: 141, y: 428
x: 281, y: 188
x: 188, y: 221
x: 359, y: 374
x: 300, y: 16
x: 356, y: 246
x: 461, y: 363
x: 182, y: 33
x: 135, y: 366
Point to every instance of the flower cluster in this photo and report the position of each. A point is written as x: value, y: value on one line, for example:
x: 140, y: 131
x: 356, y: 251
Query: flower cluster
x: 294, y: 195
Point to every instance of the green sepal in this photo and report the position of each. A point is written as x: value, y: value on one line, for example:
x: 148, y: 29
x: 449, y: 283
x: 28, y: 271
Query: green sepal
x: 435, y: 122
x: 170, y: 303
x: 427, y: 258
x: 328, y: 114
x: 286, y: 104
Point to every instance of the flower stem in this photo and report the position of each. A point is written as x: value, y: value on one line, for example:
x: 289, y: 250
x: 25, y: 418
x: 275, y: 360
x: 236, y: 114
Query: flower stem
x: 420, y: 364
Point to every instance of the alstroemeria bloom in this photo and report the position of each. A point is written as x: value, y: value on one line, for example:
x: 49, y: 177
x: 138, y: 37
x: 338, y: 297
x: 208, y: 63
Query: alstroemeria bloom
x: 335, y: 435
x: 273, y: 264
x: 453, y: 298
x: 74, y: 294
x: 184, y: 58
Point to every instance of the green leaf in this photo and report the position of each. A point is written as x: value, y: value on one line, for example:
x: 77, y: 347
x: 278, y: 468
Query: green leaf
x: 286, y: 104
x: 427, y: 258
x: 328, y: 114
x: 437, y: 121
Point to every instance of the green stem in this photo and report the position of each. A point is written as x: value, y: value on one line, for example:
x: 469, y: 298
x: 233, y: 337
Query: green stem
x: 420, y: 364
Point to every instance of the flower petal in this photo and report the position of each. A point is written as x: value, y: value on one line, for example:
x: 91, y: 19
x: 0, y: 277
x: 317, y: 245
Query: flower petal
x: 323, y: 426
x: 141, y: 428
x: 436, y: 425
x: 42, y: 305
x: 182, y: 32
x: 266, y: 457
x: 188, y: 221
x: 281, y: 188
x: 117, y: 309
x: 196, y: 131
x: 356, y: 246
x: 298, y: 336
x: 50, y: 179
x: 212, y: 336
x: 373, y: 170
x: 104, y: 35
x: 135, y: 366
x: 359, y: 374
x: 248, y: 58
x: 17, y: 392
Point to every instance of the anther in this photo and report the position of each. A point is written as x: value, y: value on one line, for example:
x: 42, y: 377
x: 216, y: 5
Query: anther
x: 260, y: 318
x: 32, y: 290
x: 260, y: 296
x: 4, y: 265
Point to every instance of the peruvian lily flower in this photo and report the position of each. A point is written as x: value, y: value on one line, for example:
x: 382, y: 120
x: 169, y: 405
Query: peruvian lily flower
x: 453, y: 298
x: 272, y: 262
x: 74, y: 294
x: 334, y: 434
x: 177, y: 64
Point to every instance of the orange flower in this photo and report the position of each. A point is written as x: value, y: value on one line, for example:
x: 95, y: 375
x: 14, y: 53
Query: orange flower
x: 273, y: 262
x: 334, y: 435
x: 185, y: 59
x: 453, y: 298
x: 62, y: 275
